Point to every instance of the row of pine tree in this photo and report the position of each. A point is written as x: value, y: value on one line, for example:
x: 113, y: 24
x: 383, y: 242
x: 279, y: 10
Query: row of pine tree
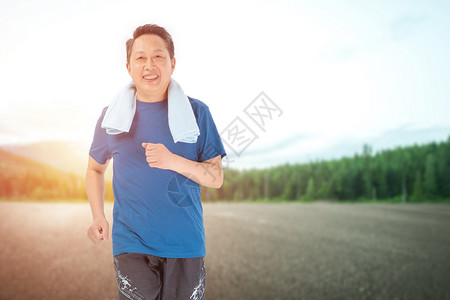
x: 406, y: 174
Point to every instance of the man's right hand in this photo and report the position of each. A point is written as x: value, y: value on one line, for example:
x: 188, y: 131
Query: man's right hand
x: 98, y: 231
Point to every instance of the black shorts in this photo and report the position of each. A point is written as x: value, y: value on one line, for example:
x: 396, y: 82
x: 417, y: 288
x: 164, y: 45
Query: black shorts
x: 142, y: 276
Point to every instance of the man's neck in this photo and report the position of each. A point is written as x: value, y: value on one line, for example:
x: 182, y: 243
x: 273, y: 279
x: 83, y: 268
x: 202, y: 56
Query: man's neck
x: 151, y: 98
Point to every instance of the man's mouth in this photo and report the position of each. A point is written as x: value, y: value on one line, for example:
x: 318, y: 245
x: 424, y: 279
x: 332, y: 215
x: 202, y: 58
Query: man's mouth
x: 150, y: 77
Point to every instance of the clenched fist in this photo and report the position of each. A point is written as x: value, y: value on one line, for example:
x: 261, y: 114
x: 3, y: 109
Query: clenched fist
x: 98, y: 231
x: 158, y: 156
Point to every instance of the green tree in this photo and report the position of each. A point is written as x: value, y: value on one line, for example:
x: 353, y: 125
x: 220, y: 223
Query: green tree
x: 310, y: 191
x: 430, y: 177
x: 418, y: 188
x: 366, y: 171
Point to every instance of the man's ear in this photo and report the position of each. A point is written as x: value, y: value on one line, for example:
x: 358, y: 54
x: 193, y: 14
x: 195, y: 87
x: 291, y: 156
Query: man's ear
x: 173, y: 62
x: 128, y: 68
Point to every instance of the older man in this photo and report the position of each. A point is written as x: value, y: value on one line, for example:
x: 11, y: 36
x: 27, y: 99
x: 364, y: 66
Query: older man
x: 158, y: 234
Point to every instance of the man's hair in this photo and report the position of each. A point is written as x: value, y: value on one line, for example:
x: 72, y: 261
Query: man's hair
x: 151, y: 29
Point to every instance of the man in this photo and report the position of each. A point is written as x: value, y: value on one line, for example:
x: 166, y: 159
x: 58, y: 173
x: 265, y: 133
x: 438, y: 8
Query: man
x: 158, y: 234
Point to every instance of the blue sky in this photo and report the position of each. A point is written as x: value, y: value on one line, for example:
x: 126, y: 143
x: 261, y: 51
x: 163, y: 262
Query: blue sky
x: 342, y: 72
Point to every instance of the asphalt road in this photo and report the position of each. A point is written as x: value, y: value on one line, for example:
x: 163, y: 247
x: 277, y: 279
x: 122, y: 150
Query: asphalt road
x: 254, y: 251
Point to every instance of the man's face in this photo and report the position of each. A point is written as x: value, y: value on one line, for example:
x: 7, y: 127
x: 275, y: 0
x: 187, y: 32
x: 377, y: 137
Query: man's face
x: 150, y: 67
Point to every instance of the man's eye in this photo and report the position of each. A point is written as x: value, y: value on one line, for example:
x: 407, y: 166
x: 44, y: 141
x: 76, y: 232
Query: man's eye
x: 140, y: 58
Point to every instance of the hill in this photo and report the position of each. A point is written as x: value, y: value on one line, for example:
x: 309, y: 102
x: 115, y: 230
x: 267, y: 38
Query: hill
x: 17, y: 165
x: 69, y: 157
x: 21, y: 177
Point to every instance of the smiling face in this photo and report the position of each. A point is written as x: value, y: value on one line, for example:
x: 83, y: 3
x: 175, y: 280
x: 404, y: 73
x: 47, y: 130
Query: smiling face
x: 150, y: 67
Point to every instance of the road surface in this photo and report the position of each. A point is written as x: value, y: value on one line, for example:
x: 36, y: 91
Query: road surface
x: 254, y: 251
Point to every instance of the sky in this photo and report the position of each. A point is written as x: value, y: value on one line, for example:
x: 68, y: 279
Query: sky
x: 326, y: 76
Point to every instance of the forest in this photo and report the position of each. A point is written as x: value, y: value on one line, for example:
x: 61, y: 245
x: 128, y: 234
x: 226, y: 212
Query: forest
x: 418, y: 173
x: 405, y: 174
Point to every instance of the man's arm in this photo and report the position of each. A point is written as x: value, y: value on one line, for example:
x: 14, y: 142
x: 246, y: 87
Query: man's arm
x: 208, y: 173
x: 95, y: 189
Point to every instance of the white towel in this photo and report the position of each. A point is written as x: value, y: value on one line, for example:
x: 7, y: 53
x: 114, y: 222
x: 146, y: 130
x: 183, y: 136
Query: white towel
x: 182, y: 123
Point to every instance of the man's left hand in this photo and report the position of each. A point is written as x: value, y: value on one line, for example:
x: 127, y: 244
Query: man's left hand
x: 158, y: 156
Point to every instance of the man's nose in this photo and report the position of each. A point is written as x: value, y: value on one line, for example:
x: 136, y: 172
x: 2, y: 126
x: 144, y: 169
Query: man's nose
x: 149, y: 63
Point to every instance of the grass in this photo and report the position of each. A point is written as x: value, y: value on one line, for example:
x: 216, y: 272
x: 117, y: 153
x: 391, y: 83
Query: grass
x: 47, y: 200
x: 395, y: 200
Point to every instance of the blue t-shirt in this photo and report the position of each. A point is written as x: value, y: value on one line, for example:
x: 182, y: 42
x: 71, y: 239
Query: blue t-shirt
x: 156, y: 211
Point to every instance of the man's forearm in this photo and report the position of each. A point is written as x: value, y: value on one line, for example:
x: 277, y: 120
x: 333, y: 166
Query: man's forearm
x: 208, y: 173
x: 95, y: 189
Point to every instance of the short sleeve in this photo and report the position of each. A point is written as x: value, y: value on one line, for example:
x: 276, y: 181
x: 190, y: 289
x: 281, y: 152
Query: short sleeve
x: 99, y: 148
x: 210, y: 144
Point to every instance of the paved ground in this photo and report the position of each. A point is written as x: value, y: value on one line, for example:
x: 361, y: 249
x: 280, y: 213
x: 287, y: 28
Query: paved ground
x: 255, y: 251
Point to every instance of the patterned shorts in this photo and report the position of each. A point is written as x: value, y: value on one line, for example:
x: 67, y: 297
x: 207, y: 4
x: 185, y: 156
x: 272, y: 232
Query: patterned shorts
x: 142, y: 276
